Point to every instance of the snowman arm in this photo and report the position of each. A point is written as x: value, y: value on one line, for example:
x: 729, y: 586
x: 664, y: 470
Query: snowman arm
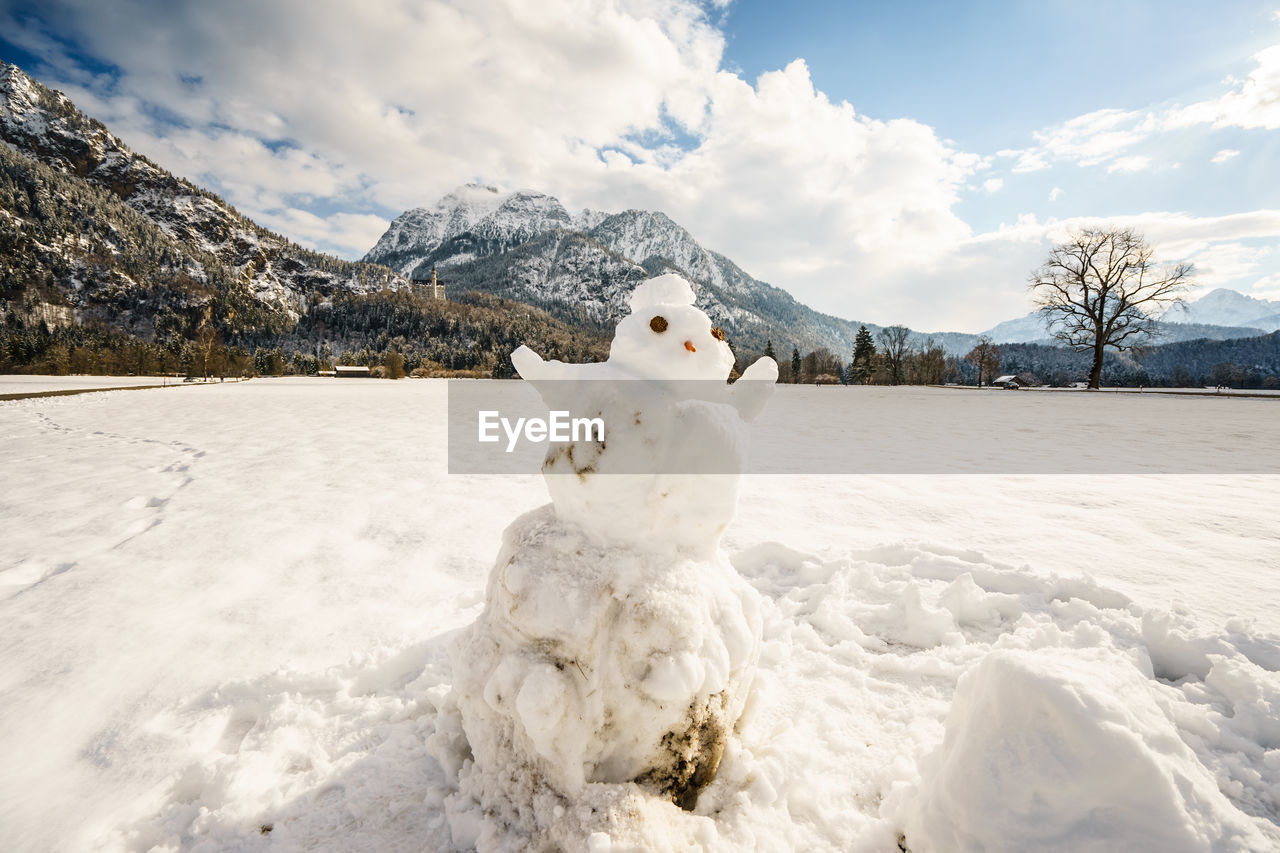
x: 528, y: 363
x: 754, y: 388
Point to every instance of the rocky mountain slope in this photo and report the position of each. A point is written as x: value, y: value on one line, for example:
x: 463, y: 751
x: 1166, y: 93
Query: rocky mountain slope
x: 524, y: 245
x: 100, y: 249
x: 45, y: 125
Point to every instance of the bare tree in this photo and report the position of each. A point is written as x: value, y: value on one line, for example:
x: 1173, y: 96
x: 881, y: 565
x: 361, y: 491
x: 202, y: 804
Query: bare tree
x: 929, y: 364
x: 893, y: 344
x: 206, y: 348
x: 986, y: 357
x: 1099, y: 289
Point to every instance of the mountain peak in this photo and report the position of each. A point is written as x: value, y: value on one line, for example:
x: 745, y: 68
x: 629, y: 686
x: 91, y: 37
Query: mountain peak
x: 524, y: 245
x: 1225, y: 307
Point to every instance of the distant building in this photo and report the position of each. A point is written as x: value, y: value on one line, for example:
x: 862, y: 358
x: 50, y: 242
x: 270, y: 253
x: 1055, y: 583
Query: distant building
x: 1009, y: 383
x: 432, y: 288
x: 350, y: 371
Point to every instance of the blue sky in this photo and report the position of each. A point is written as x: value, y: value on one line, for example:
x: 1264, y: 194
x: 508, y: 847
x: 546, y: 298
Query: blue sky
x: 884, y: 162
x: 988, y: 74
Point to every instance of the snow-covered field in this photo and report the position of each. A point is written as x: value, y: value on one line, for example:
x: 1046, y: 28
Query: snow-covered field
x: 225, y: 615
x: 11, y: 383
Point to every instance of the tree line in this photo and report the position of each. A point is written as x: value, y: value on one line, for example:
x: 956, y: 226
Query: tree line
x: 395, y: 332
x: 895, y: 356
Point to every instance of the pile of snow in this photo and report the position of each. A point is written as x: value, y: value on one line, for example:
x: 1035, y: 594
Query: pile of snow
x: 1067, y: 750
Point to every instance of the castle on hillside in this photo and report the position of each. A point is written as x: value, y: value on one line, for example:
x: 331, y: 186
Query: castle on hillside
x: 432, y: 288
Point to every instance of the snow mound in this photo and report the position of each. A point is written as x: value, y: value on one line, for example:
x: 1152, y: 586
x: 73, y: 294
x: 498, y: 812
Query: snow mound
x: 1067, y: 750
x: 597, y: 671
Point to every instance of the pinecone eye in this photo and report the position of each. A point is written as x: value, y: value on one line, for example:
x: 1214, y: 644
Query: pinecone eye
x: 717, y: 333
x: 658, y: 324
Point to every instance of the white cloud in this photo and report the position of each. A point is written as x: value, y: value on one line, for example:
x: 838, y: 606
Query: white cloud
x: 804, y: 192
x: 1221, y: 264
x: 1135, y: 163
x: 1055, y: 193
x: 1029, y: 160
x: 1108, y: 136
x: 1100, y: 137
x: 1267, y: 287
x: 1254, y: 103
x: 1224, y: 155
x: 1096, y: 137
x: 992, y: 185
x: 392, y: 103
x: 353, y: 233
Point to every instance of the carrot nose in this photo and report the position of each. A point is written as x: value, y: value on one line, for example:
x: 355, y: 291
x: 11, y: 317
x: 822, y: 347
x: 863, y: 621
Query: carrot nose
x: 690, y: 347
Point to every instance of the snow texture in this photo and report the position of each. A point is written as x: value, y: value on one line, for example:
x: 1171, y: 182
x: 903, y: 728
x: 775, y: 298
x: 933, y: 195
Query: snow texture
x: 220, y: 631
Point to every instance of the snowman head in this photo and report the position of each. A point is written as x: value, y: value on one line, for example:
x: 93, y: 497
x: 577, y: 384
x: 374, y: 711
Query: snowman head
x: 666, y: 337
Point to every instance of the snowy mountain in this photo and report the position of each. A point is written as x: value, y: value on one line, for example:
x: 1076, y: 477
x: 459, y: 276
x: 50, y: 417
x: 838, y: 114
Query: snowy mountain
x: 219, y: 242
x: 1023, y: 330
x: 109, y: 263
x: 1033, y: 328
x: 1224, y: 307
x: 472, y: 221
x: 524, y: 245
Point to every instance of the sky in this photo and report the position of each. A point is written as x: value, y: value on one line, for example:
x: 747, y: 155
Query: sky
x: 885, y: 162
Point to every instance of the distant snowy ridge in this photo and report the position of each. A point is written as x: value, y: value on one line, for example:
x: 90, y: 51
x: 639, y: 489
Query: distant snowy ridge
x: 1224, y: 307
x: 1034, y: 328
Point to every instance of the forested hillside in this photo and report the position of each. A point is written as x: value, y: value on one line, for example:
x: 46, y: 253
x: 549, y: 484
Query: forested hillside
x: 109, y: 263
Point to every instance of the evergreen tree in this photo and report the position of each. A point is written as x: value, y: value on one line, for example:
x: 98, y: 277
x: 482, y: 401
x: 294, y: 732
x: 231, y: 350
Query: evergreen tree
x: 795, y: 364
x: 864, y: 354
x: 768, y: 349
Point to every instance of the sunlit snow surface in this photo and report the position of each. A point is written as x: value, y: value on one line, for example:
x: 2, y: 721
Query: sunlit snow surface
x: 20, y: 384
x: 227, y: 608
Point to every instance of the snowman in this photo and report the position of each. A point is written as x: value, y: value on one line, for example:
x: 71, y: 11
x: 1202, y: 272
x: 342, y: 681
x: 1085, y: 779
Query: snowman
x: 666, y: 473
x: 617, y: 646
